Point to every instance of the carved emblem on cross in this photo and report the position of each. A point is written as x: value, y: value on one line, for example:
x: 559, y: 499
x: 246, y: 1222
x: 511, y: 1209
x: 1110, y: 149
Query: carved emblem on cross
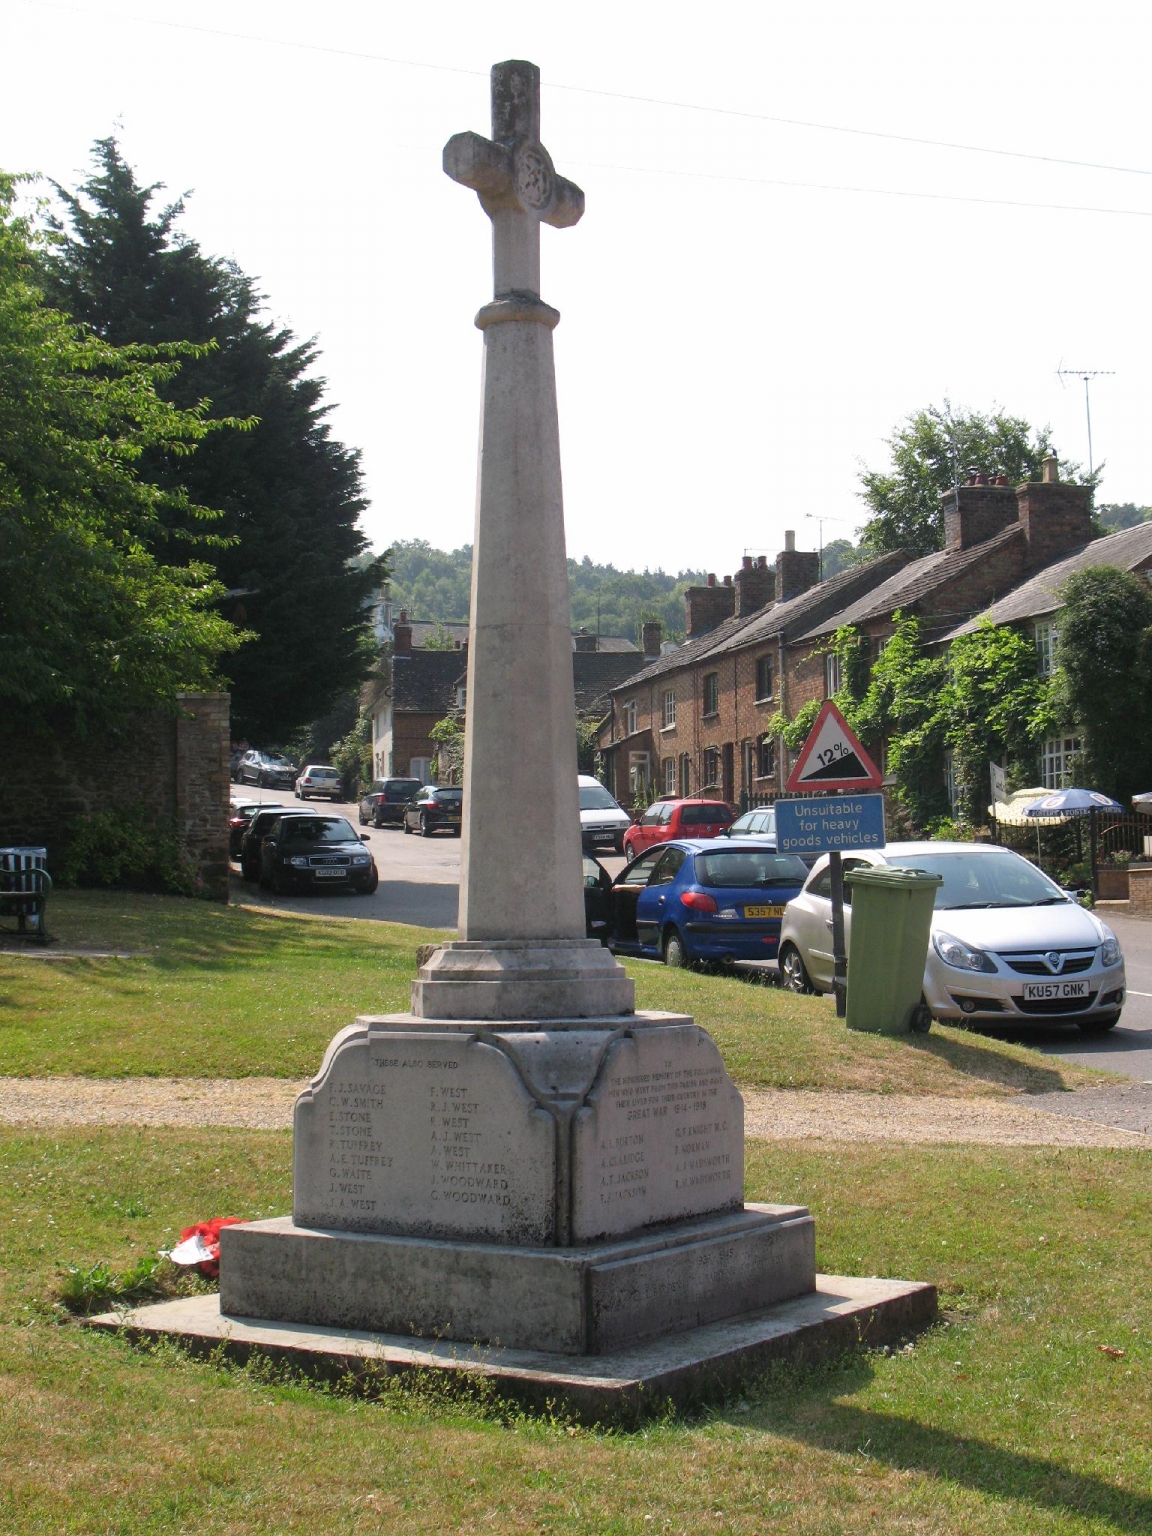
x: 513, y: 176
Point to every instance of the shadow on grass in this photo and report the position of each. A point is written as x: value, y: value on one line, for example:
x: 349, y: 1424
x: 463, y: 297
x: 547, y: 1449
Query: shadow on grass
x: 976, y: 1062
x: 906, y: 1445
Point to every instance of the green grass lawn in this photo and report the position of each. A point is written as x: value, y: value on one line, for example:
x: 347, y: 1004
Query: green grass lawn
x: 1008, y: 1419
x: 214, y: 991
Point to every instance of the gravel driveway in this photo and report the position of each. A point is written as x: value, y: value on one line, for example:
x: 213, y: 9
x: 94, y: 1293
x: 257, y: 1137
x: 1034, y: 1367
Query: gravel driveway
x: 1089, y: 1117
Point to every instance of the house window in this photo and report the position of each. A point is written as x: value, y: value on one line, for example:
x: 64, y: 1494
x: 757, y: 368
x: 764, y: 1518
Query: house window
x: 1045, y: 633
x: 638, y: 774
x: 629, y: 713
x: 748, y: 763
x: 461, y: 698
x: 763, y: 677
x: 668, y: 775
x: 831, y: 674
x: 950, y: 781
x: 668, y: 714
x: 685, y: 775
x: 1058, y: 761
x: 766, y: 757
x: 712, y: 694
x: 711, y: 768
x: 420, y: 768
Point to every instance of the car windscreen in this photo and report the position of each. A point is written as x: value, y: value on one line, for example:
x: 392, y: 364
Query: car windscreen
x: 324, y: 773
x: 703, y: 815
x: 734, y: 867
x: 595, y: 797
x: 993, y: 879
x: 317, y: 829
x: 402, y: 790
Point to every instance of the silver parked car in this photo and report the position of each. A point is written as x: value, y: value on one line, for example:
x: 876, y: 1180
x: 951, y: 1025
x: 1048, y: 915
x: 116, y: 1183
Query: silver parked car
x: 1007, y: 944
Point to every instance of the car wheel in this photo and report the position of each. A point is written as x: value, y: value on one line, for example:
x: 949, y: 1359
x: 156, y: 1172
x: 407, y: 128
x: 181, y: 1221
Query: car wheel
x: 794, y: 976
x: 296, y: 792
x: 1098, y: 1026
x: 360, y: 816
x: 369, y: 886
x: 921, y: 1020
x: 407, y: 828
x: 249, y: 871
x: 278, y: 882
x: 425, y: 829
x: 675, y: 953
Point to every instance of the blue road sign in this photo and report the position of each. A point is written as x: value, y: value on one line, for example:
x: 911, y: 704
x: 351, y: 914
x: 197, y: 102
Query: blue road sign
x: 832, y: 823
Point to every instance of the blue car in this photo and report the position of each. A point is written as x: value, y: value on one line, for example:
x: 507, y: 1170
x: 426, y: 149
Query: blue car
x: 697, y: 899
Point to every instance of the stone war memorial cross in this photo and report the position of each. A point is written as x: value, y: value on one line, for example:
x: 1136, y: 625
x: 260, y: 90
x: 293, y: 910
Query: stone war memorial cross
x: 523, y: 1176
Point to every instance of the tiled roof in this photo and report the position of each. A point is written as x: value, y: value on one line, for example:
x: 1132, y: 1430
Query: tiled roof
x: 595, y: 674
x: 1129, y: 549
x: 424, y: 683
x: 825, y: 598
x: 916, y: 580
x: 425, y: 629
x: 773, y: 619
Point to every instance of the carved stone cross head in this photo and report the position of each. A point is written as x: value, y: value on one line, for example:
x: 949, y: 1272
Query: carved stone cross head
x: 513, y: 176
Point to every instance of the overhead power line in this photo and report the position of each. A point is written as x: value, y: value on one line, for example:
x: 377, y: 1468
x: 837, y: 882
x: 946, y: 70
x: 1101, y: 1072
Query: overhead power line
x: 651, y: 101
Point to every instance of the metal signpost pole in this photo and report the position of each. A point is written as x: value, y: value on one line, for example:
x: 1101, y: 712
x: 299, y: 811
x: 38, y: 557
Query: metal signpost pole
x: 839, y: 957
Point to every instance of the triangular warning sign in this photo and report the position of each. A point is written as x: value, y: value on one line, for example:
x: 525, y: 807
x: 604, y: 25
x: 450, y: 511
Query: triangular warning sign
x: 832, y: 757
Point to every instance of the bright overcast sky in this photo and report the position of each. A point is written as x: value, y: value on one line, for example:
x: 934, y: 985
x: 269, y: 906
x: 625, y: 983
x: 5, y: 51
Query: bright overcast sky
x: 773, y: 268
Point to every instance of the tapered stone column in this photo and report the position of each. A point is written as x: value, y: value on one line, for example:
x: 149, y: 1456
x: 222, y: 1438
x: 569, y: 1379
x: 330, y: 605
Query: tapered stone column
x: 522, y: 952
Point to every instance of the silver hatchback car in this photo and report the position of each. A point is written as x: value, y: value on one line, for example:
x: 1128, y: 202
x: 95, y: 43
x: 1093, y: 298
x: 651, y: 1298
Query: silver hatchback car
x: 1007, y: 944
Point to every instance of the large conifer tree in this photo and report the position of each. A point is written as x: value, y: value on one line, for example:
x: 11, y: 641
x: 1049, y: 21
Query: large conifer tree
x: 291, y: 495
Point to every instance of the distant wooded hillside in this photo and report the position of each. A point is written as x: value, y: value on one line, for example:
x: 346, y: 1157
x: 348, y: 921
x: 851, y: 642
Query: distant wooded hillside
x: 434, y: 584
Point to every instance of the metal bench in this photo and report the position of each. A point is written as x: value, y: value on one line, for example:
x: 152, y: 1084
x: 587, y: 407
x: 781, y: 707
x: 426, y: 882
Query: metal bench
x: 25, y: 886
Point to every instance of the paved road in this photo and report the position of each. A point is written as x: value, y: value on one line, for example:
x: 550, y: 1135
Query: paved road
x: 419, y: 885
x: 419, y: 876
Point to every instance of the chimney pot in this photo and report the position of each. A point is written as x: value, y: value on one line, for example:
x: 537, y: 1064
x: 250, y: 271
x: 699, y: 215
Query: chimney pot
x: 789, y: 539
x: 747, y: 562
x: 727, y: 581
x: 1051, y: 472
x: 711, y: 578
x: 403, y: 615
x: 1000, y: 480
x: 981, y: 478
x: 763, y: 562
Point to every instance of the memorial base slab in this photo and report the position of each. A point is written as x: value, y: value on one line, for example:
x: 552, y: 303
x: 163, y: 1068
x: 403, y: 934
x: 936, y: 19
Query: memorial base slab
x: 701, y: 1364
x: 576, y: 1300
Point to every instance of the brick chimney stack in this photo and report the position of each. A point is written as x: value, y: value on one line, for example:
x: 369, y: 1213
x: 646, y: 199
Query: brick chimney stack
x: 584, y: 641
x: 402, y: 635
x: 705, y: 607
x: 1056, y: 516
x: 651, y: 637
x: 796, y: 569
x: 977, y: 510
x: 755, y: 585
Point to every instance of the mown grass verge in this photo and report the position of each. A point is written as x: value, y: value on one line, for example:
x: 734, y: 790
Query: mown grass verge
x: 236, y: 992
x: 1010, y: 1420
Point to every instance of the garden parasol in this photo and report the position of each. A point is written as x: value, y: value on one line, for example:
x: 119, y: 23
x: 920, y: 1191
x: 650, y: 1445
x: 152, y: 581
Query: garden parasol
x: 1077, y: 802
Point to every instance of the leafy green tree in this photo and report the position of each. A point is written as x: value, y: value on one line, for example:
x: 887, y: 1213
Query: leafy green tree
x: 840, y: 555
x: 1113, y: 516
x: 1104, y: 678
x: 932, y: 450
x: 92, y: 624
x: 290, y: 494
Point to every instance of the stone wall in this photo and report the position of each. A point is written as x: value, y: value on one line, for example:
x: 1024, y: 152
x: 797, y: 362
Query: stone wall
x: 1140, y: 891
x: 158, y: 766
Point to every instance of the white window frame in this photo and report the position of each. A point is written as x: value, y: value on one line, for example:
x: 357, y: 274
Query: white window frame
x: 639, y: 771
x: 711, y: 686
x: 766, y: 741
x: 767, y: 660
x: 1056, y: 756
x: 711, y: 761
x: 1044, y: 634
x: 831, y: 674
x: 420, y: 768
x: 628, y: 716
x: 668, y: 713
x: 668, y: 771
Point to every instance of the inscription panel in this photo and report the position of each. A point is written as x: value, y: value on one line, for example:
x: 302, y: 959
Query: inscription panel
x: 661, y: 1136
x: 426, y: 1135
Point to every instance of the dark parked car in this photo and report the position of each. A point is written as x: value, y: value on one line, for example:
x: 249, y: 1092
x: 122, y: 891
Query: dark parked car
x: 258, y: 829
x: 316, y: 853
x: 271, y: 770
x: 240, y: 813
x: 434, y: 810
x: 698, y: 899
x: 383, y: 804
x: 669, y: 819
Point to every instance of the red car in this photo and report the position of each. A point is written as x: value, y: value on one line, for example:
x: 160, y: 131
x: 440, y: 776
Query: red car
x: 669, y: 819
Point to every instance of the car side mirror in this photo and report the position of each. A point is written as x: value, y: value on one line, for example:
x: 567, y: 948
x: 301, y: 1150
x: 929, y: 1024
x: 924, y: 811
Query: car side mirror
x: 364, y: 837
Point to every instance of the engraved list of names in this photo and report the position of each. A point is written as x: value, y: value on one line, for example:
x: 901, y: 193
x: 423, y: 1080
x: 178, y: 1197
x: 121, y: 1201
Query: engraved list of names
x: 427, y: 1135
x: 660, y: 1138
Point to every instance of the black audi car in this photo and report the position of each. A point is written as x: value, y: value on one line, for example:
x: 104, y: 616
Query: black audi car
x: 252, y: 837
x: 316, y: 853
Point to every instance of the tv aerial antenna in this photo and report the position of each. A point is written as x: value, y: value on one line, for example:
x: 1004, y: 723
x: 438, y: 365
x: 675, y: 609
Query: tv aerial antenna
x: 1087, y: 374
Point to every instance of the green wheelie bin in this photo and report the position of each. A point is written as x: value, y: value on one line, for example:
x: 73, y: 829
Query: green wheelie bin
x: 891, y: 923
